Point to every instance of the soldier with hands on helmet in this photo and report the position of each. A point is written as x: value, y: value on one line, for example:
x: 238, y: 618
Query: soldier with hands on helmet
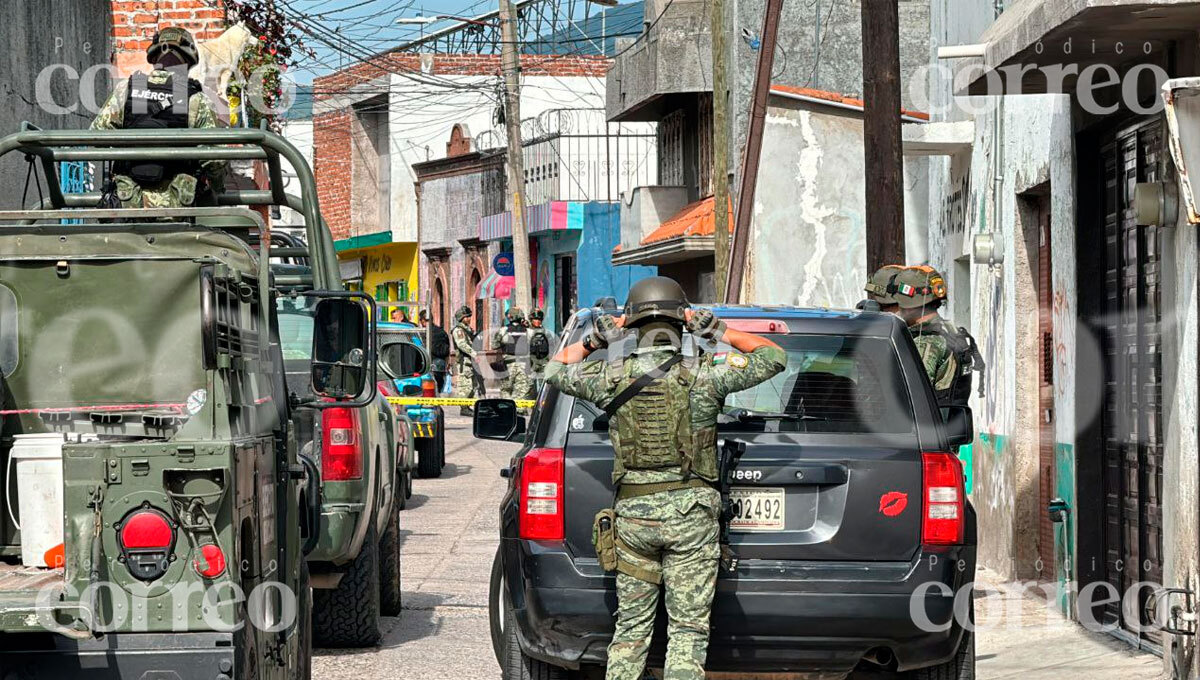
x: 663, y: 408
x: 540, y: 344
x: 164, y: 98
x: 463, y: 339
x: 511, y: 341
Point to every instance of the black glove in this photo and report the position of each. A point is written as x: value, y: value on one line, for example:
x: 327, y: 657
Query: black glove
x: 705, y: 324
x: 604, y: 332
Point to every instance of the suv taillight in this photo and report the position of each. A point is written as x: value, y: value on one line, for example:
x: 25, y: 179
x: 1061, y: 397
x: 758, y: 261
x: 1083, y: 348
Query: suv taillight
x: 428, y: 388
x: 147, y: 539
x: 541, y: 484
x: 943, y: 492
x: 341, y: 445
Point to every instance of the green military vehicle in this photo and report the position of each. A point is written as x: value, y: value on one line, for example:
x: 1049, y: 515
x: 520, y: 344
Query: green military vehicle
x: 157, y: 508
x: 364, y: 456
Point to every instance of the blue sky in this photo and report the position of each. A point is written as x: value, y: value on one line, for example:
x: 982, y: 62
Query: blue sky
x: 369, y: 26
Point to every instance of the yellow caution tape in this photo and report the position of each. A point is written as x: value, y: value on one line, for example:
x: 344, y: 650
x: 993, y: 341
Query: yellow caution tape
x: 424, y: 430
x: 448, y: 401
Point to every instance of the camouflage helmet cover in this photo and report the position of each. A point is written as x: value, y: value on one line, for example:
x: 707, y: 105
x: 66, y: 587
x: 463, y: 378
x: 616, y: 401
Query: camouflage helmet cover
x: 880, y: 286
x: 656, y: 298
x: 919, y: 287
x: 537, y: 315
x: 463, y: 312
x: 176, y: 39
x: 515, y: 314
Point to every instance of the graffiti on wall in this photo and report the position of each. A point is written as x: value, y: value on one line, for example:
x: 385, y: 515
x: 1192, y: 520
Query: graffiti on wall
x: 956, y: 203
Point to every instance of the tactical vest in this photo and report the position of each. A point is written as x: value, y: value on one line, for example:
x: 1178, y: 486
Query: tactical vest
x: 653, y: 430
x: 967, y: 359
x: 539, y: 344
x: 513, y: 338
x: 151, y: 106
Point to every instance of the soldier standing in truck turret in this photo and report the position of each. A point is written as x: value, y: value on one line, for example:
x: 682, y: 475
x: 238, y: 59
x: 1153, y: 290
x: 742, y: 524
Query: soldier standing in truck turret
x: 164, y: 98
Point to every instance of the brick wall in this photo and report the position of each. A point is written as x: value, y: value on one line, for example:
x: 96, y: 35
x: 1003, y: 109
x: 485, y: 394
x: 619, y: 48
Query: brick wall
x: 134, y: 23
x: 332, y: 132
x: 331, y: 165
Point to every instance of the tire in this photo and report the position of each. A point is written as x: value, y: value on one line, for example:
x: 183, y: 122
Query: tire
x: 517, y: 666
x: 390, y: 593
x: 497, y: 612
x: 428, y: 463
x: 305, y: 624
x: 348, y: 616
x: 961, y: 667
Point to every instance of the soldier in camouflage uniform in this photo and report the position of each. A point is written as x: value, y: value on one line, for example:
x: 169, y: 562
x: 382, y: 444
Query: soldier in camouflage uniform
x: 665, y: 464
x: 511, y: 339
x: 541, y: 343
x: 463, y: 338
x: 919, y: 293
x: 155, y: 101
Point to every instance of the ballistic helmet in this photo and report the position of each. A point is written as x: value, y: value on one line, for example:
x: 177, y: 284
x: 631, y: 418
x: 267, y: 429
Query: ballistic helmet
x: 463, y: 312
x: 177, y: 40
x: 515, y: 315
x: 537, y: 315
x: 919, y: 287
x: 656, y: 298
x: 880, y: 287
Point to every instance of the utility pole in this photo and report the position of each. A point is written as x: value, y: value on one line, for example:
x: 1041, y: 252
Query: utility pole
x: 753, y: 151
x: 720, y: 147
x: 884, y: 155
x: 510, y: 65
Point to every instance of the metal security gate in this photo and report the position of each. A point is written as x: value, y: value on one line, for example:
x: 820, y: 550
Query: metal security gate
x: 1131, y: 415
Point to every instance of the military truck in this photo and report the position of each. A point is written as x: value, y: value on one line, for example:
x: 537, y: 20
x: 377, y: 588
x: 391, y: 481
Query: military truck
x: 157, y: 510
x: 356, y: 562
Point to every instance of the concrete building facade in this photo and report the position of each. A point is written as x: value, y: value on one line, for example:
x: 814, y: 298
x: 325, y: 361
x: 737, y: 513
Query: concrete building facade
x: 1085, y: 309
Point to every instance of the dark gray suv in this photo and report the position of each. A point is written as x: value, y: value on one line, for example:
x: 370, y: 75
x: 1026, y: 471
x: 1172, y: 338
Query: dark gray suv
x: 855, y: 538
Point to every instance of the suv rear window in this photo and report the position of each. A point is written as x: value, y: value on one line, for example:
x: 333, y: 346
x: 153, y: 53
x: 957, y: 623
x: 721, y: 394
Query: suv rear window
x: 834, y: 384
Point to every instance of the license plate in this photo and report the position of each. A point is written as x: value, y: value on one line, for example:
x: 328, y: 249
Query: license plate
x: 757, y: 509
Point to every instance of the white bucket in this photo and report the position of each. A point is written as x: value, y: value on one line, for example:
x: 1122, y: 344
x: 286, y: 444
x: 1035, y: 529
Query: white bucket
x: 38, y: 459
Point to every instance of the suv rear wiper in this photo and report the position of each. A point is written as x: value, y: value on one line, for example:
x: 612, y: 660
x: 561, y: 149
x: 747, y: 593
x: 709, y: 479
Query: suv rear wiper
x: 744, y: 414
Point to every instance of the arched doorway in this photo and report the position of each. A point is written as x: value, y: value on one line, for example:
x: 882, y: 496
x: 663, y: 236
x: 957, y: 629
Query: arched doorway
x: 439, y: 302
x: 474, y: 301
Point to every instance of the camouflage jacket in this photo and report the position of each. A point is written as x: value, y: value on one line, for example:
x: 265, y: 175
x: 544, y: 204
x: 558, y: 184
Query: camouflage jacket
x: 931, y: 337
x: 461, y: 336
x: 715, y: 377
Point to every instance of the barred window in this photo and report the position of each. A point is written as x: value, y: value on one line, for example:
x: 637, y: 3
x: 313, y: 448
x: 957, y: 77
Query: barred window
x: 670, y: 149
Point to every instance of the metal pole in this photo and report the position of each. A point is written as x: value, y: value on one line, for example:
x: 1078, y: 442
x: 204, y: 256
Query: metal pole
x: 720, y: 147
x: 511, y: 67
x: 750, y: 160
x: 883, y: 153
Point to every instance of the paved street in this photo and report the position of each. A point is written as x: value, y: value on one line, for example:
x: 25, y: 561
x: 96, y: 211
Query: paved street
x: 450, y: 539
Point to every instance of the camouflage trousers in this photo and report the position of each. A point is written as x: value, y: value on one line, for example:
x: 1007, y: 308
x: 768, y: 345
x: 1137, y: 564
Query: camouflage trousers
x: 464, y: 382
x: 180, y: 192
x: 518, y: 383
x: 675, y: 534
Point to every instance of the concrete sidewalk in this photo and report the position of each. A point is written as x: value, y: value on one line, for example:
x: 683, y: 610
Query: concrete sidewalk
x: 1020, y: 636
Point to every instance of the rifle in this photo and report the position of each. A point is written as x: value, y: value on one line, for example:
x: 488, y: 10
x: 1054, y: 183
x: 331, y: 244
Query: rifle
x: 728, y: 460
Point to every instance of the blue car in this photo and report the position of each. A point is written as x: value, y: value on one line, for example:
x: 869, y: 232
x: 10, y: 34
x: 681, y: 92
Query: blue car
x: 428, y: 422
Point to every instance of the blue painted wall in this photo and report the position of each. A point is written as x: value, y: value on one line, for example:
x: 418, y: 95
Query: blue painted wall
x: 597, y: 275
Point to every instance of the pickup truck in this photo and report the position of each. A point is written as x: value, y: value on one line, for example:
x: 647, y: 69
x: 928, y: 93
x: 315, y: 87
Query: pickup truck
x: 355, y: 565
x: 848, y: 509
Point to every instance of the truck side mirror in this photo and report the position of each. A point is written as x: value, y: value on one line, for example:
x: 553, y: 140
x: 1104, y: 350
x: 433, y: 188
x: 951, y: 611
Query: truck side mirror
x: 341, y: 356
x: 497, y: 419
x: 402, y: 359
x: 960, y: 425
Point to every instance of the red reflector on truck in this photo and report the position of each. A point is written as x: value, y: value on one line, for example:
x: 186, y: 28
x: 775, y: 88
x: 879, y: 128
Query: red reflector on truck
x: 147, y: 540
x: 147, y: 529
x: 541, y: 483
x: 942, y: 499
x: 211, y: 562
